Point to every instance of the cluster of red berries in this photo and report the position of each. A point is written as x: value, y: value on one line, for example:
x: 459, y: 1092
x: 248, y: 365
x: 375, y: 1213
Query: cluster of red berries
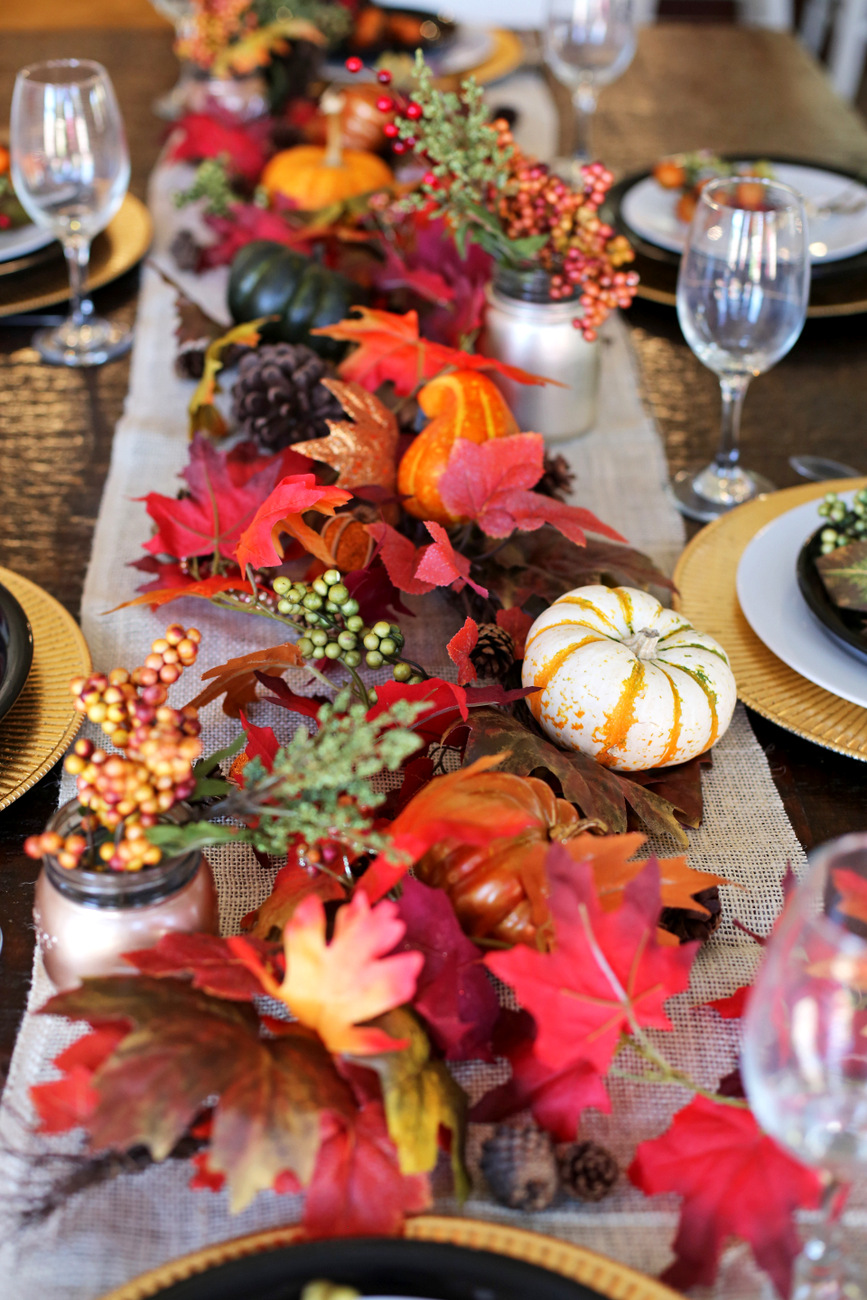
x: 128, y: 792
x: 582, y: 251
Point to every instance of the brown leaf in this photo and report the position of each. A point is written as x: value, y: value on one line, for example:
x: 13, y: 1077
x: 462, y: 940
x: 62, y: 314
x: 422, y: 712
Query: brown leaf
x: 184, y: 1047
x: 597, y: 791
x: 237, y: 678
x: 680, y: 786
x: 194, y: 325
x: 363, y: 448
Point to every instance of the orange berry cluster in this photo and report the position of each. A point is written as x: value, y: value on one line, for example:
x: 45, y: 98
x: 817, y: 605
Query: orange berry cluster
x: 128, y: 792
x: 582, y: 251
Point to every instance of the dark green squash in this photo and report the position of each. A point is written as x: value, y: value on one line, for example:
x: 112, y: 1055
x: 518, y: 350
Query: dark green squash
x: 269, y: 279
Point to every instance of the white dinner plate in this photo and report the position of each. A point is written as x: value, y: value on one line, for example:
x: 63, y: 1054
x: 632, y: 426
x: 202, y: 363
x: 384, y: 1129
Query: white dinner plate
x: 649, y: 210
x: 768, y: 594
x: 23, y: 240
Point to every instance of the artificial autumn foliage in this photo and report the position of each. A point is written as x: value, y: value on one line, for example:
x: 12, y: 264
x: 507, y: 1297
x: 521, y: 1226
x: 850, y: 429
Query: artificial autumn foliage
x: 390, y: 349
x: 734, y: 1180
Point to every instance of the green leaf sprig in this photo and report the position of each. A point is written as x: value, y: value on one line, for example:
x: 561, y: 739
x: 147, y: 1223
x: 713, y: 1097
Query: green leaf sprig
x: 211, y: 182
x: 320, y: 786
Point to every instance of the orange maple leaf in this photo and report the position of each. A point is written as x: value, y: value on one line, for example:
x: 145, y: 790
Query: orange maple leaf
x: 281, y: 512
x: 236, y: 678
x: 205, y: 588
x: 331, y: 987
x: 390, y: 348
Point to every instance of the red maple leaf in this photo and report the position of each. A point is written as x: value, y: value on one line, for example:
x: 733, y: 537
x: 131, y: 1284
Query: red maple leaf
x: 442, y: 566
x: 734, y: 1180
x: 853, y: 892
x: 68, y: 1102
x: 357, y: 1188
x: 557, y: 1098
x: 207, y: 958
x: 418, y: 570
x: 459, y: 651
x: 212, y: 518
x: 454, y: 994
x: 390, y: 348
x: 517, y: 624
x: 731, y: 1008
x: 199, y: 135
x: 607, y: 973
x: 259, y: 544
x: 489, y: 482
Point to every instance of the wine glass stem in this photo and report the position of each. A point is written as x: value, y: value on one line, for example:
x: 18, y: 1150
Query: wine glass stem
x: 821, y: 1271
x: 734, y: 389
x: 584, y: 101
x: 77, y: 253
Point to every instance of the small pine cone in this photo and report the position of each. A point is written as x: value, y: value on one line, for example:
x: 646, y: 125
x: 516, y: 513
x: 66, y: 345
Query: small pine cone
x: 186, y: 251
x: 190, y: 359
x: 278, y: 398
x: 494, y: 652
x: 520, y: 1167
x: 557, y: 479
x: 587, y: 1170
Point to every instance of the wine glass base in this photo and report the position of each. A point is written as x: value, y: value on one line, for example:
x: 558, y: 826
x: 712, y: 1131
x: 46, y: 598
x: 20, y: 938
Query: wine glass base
x: 702, y: 492
x: 92, y: 344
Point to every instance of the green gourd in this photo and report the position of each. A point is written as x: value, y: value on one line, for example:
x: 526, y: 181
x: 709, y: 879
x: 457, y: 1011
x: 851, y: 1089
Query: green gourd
x: 269, y: 279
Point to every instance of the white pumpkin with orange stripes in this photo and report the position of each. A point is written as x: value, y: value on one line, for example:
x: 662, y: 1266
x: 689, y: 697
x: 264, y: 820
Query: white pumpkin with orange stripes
x: 626, y: 680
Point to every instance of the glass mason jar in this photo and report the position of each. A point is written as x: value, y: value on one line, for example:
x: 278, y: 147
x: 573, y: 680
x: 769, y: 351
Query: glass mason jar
x: 525, y: 328
x: 85, y: 919
x: 244, y: 97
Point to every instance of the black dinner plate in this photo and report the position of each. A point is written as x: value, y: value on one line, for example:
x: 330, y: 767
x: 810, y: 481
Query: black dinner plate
x: 380, y: 1266
x: 16, y: 650
x: 844, y: 626
x: 435, y: 34
x: 836, y: 289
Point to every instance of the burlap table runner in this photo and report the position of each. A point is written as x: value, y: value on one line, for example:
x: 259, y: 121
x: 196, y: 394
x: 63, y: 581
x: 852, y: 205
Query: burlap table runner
x: 106, y: 1234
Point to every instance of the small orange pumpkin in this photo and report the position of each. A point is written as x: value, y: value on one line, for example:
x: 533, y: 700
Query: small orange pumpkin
x: 463, y: 404
x: 499, y: 890
x: 315, y: 176
x: 349, y: 542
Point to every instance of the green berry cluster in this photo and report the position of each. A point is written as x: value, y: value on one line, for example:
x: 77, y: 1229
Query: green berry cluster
x: 845, y: 523
x: 334, y: 629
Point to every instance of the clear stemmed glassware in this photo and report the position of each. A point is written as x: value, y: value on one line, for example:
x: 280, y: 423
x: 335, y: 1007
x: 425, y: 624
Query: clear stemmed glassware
x: 175, y: 102
x: 742, y: 293
x: 70, y: 169
x: 804, y: 1055
x: 588, y: 43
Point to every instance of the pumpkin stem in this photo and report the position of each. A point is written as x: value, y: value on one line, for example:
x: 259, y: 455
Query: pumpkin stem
x: 642, y: 643
x: 560, y: 834
x: 331, y: 104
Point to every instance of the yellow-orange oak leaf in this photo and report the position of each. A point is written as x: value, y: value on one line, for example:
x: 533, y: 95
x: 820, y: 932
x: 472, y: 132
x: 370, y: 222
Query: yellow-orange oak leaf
x: 333, y: 987
x: 237, y: 681
x: 281, y: 512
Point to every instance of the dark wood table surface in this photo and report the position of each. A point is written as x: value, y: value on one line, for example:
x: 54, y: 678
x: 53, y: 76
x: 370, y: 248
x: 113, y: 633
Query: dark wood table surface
x: 690, y: 86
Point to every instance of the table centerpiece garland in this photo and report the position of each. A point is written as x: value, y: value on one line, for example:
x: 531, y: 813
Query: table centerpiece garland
x: 587, y: 912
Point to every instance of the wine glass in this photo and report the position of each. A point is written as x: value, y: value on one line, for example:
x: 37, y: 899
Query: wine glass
x: 70, y: 169
x: 175, y: 102
x: 804, y: 1056
x: 588, y: 43
x: 742, y: 293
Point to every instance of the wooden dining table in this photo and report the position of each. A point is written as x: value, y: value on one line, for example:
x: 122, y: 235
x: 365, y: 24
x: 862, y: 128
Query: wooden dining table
x: 730, y: 88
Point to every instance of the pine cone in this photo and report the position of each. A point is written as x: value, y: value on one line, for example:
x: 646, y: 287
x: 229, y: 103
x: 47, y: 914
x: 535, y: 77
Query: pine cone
x: 186, y: 251
x: 587, y: 1170
x: 190, y: 359
x: 494, y: 652
x: 520, y: 1167
x: 557, y: 479
x: 278, y: 399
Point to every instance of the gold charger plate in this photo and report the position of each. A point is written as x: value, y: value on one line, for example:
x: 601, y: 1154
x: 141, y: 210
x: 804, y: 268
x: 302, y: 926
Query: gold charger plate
x: 507, y: 54
x: 115, y: 250
x: 604, y: 1275
x: 706, y: 577
x: 39, y: 727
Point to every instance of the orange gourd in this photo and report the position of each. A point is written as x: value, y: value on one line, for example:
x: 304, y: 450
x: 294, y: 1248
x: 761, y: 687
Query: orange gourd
x: 499, y: 890
x: 462, y: 404
x: 315, y: 176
